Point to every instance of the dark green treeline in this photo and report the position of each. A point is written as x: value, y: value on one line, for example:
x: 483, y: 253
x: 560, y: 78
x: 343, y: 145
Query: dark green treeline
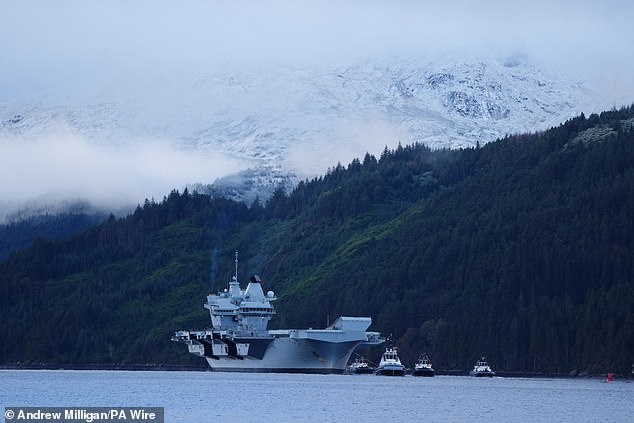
x: 521, y: 250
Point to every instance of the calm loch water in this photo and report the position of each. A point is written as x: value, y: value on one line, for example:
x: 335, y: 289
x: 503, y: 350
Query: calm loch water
x: 245, y: 397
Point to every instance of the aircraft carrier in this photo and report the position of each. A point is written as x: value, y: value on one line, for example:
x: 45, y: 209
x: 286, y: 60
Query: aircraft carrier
x: 239, y: 341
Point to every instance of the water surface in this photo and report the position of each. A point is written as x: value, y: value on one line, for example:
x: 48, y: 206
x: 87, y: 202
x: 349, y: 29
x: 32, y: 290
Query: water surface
x: 249, y: 397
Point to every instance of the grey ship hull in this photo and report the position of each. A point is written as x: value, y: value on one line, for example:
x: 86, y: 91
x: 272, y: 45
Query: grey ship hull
x: 287, y: 355
x: 483, y: 373
x: 390, y: 370
x: 283, y: 351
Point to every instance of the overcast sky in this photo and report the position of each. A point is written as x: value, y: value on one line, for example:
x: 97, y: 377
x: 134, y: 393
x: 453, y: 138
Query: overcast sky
x: 85, y: 47
x: 53, y: 43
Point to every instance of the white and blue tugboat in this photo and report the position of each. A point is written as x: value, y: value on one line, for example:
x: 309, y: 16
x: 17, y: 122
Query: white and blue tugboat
x: 239, y: 341
x: 360, y: 366
x: 423, y: 366
x: 482, y: 369
x: 390, y: 364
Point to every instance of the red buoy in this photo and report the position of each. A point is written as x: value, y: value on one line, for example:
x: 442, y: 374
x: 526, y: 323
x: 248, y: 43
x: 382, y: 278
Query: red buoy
x: 609, y: 378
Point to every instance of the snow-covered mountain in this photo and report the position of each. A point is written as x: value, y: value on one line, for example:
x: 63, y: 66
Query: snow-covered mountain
x: 284, y: 124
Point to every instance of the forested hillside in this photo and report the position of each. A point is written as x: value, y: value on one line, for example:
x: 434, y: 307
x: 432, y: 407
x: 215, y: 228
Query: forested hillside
x: 20, y: 233
x: 522, y: 250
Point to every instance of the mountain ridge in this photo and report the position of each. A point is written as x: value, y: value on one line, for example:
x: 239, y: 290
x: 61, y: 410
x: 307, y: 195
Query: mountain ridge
x: 294, y: 123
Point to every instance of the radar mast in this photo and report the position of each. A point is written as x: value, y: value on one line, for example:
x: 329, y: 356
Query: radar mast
x: 235, y: 277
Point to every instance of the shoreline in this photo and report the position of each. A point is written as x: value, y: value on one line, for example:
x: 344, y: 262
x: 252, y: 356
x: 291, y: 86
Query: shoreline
x: 538, y: 375
x: 205, y: 368
x: 105, y: 366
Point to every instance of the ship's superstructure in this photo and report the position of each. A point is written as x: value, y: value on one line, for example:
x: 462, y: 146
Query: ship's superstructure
x: 239, y: 340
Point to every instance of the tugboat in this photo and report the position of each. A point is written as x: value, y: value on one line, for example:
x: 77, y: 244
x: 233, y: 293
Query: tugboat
x: 390, y: 364
x: 239, y: 341
x: 423, y: 367
x: 482, y: 369
x: 359, y: 366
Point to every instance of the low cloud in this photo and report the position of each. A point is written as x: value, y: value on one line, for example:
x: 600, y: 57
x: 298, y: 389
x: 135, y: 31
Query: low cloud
x: 345, y: 142
x: 65, y: 166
